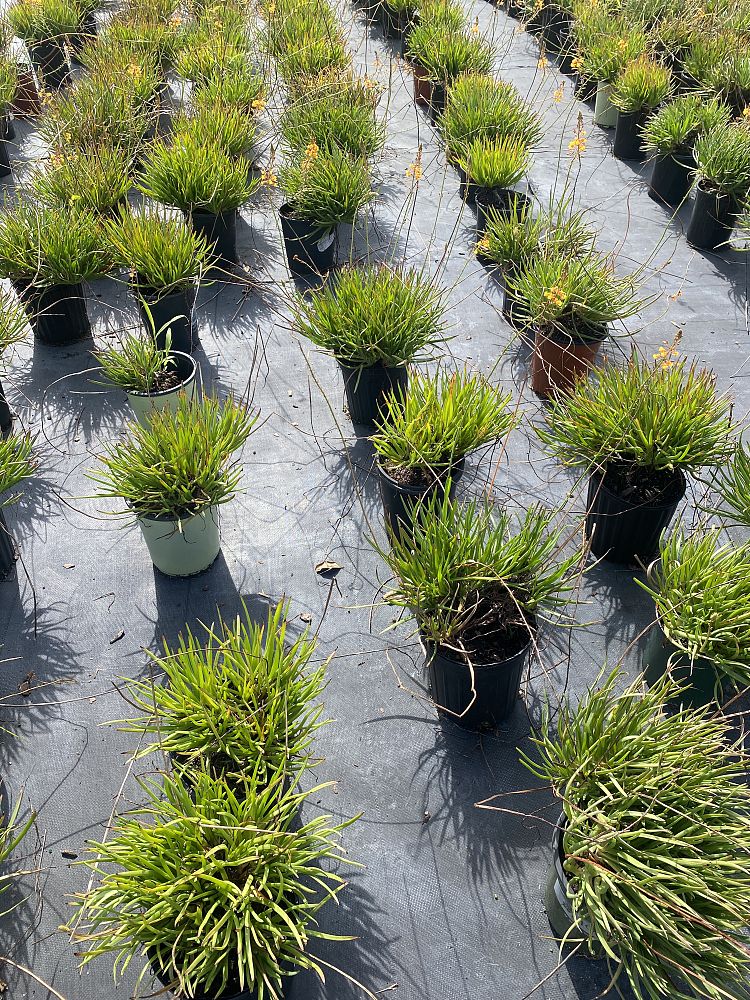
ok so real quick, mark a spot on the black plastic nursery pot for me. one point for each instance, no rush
(438, 94)
(7, 128)
(399, 499)
(7, 552)
(171, 312)
(699, 677)
(513, 307)
(479, 696)
(514, 9)
(310, 247)
(556, 25)
(628, 144)
(59, 314)
(623, 530)
(712, 220)
(556, 903)
(367, 389)
(80, 38)
(6, 417)
(220, 230)
(5, 168)
(51, 63)
(495, 200)
(232, 992)
(395, 23)
(672, 177)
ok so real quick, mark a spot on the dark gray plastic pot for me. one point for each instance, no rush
(367, 388)
(6, 418)
(700, 677)
(172, 311)
(496, 685)
(220, 231)
(51, 63)
(672, 177)
(7, 551)
(61, 317)
(399, 501)
(712, 220)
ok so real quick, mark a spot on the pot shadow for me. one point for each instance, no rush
(37, 504)
(590, 977)
(369, 958)
(371, 240)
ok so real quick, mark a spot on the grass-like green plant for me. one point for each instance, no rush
(495, 163)
(479, 107)
(239, 87)
(8, 81)
(335, 112)
(13, 323)
(12, 831)
(301, 64)
(217, 887)
(203, 56)
(719, 62)
(447, 13)
(678, 124)
(723, 159)
(37, 21)
(643, 84)
(181, 463)
(51, 245)
(97, 180)
(160, 251)
(656, 416)
(237, 698)
(463, 560)
(136, 364)
(16, 463)
(230, 129)
(701, 589)
(575, 297)
(371, 315)
(734, 484)
(144, 33)
(113, 64)
(609, 52)
(511, 239)
(326, 187)
(190, 175)
(656, 836)
(445, 54)
(94, 115)
(440, 419)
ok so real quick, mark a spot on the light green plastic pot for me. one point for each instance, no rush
(144, 404)
(605, 112)
(183, 548)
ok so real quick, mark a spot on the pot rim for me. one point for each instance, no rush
(602, 487)
(419, 491)
(176, 388)
(433, 649)
(565, 338)
(170, 519)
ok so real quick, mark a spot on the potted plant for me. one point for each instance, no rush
(722, 159)
(638, 430)
(335, 112)
(86, 28)
(231, 129)
(717, 62)
(25, 102)
(510, 241)
(474, 582)
(8, 87)
(165, 259)
(127, 72)
(481, 108)
(97, 180)
(493, 169)
(636, 92)
(241, 87)
(374, 321)
(239, 700)
(323, 188)
(174, 473)
(605, 57)
(221, 936)
(424, 435)
(206, 183)
(153, 378)
(44, 25)
(434, 14)
(650, 857)
(310, 53)
(701, 590)
(443, 54)
(397, 16)
(16, 464)
(13, 323)
(669, 137)
(48, 251)
(734, 485)
(571, 303)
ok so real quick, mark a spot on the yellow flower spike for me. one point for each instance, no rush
(577, 145)
(258, 104)
(558, 94)
(312, 150)
(475, 26)
(556, 295)
(542, 62)
(576, 62)
(268, 178)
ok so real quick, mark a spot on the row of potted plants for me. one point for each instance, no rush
(216, 881)
(637, 63)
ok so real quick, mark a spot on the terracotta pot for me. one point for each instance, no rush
(559, 360)
(422, 87)
(26, 101)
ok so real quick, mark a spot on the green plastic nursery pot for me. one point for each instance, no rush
(183, 548)
(7, 552)
(477, 697)
(622, 531)
(699, 676)
(605, 113)
(143, 404)
(367, 388)
(556, 902)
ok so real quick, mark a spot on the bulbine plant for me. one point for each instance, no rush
(97, 180)
(372, 315)
(335, 112)
(648, 416)
(218, 888)
(230, 129)
(16, 464)
(238, 700)
(237, 87)
(327, 187)
(181, 463)
(440, 419)
(723, 160)
(479, 107)
(138, 365)
(734, 485)
(444, 53)
(495, 163)
(678, 124)
(95, 115)
(160, 251)
(701, 589)
(656, 836)
(470, 573)
(643, 84)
